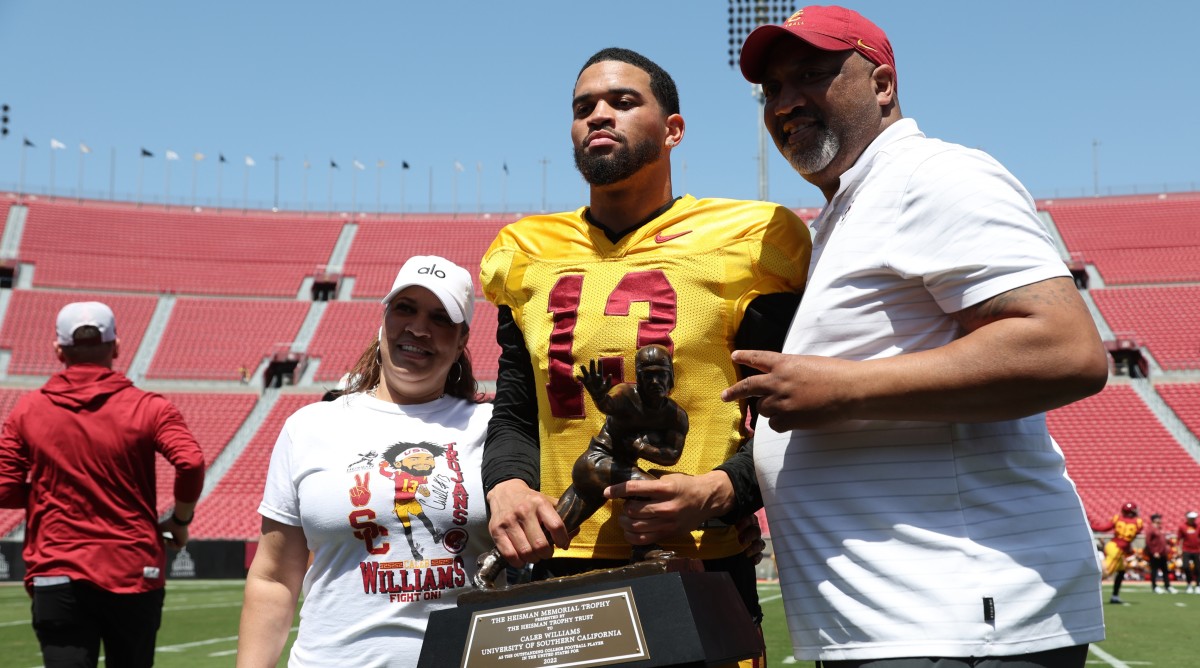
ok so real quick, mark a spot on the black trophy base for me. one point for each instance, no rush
(642, 615)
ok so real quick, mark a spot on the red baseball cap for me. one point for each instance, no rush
(829, 28)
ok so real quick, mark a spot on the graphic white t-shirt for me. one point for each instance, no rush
(896, 538)
(391, 502)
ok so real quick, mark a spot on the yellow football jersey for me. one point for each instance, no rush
(682, 280)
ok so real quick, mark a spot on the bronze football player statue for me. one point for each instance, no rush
(642, 422)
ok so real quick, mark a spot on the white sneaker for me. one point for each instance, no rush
(1172, 590)
(1191, 589)
(1159, 590)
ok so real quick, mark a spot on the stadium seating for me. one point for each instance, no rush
(1134, 239)
(381, 245)
(28, 329)
(213, 417)
(1118, 451)
(148, 249)
(1184, 400)
(5, 205)
(346, 329)
(231, 510)
(485, 352)
(9, 517)
(1165, 319)
(215, 338)
(238, 276)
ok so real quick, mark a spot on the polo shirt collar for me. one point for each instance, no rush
(901, 129)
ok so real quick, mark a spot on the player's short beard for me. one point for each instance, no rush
(603, 170)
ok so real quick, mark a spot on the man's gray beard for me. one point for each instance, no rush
(813, 160)
(603, 170)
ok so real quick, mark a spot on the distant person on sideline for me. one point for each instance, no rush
(1157, 556)
(79, 456)
(1189, 546)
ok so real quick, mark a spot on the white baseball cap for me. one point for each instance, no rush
(449, 282)
(82, 314)
(1191, 515)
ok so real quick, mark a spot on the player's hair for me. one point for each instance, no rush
(661, 83)
(394, 451)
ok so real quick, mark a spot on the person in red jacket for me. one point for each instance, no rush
(1156, 554)
(1189, 544)
(1125, 525)
(78, 455)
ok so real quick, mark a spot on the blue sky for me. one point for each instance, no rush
(488, 84)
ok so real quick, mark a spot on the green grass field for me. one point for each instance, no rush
(200, 622)
(199, 628)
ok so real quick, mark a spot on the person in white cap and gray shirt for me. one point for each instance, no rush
(383, 485)
(79, 456)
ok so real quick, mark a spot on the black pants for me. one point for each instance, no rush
(1067, 657)
(1158, 566)
(745, 580)
(1191, 567)
(72, 619)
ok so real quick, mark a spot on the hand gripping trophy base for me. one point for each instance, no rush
(642, 423)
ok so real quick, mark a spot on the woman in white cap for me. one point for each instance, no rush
(383, 485)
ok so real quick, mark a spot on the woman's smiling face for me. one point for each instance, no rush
(419, 343)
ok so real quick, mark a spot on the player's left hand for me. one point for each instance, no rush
(655, 510)
(750, 535)
(594, 380)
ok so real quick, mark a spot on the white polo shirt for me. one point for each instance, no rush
(892, 538)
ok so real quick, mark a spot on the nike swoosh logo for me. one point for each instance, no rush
(664, 239)
(864, 46)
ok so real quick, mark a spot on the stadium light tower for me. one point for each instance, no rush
(745, 16)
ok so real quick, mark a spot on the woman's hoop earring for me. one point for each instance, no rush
(457, 376)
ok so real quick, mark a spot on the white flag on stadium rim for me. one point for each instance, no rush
(249, 161)
(84, 148)
(56, 144)
(359, 165)
(458, 167)
(171, 155)
(197, 157)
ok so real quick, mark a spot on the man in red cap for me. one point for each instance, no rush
(921, 512)
(79, 456)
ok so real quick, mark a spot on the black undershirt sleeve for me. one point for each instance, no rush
(764, 327)
(511, 449)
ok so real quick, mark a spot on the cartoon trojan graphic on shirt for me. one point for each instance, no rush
(409, 466)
